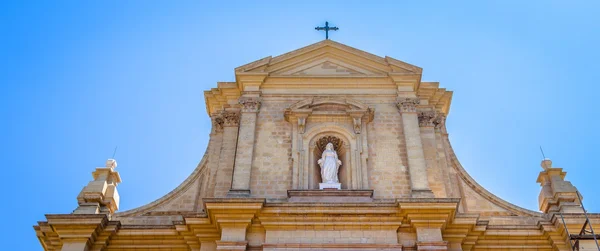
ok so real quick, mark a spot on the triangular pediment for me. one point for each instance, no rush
(328, 58)
(326, 67)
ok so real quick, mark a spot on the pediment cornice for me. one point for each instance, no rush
(328, 59)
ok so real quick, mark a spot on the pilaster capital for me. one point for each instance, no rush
(301, 124)
(408, 104)
(427, 118)
(357, 121)
(250, 104)
(230, 118)
(440, 122)
(218, 121)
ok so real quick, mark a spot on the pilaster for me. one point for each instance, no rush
(214, 151)
(208, 245)
(231, 121)
(414, 148)
(233, 216)
(429, 217)
(430, 152)
(245, 146)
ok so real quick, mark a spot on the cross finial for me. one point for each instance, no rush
(326, 28)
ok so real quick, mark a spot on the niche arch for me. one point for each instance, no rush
(317, 146)
(318, 117)
(350, 173)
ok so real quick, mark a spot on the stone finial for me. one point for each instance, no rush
(111, 163)
(100, 196)
(408, 104)
(546, 164)
(557, 195)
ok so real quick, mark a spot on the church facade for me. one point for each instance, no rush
(323, 148)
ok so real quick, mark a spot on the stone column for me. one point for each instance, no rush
(231, 121)
(245, 147)
(414, 148)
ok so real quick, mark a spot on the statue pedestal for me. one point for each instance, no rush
(337, 186)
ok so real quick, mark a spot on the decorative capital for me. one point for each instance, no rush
(250, 104)
(217, 120)
(440, 122)
(301, 124)
(408, 104)
(357, 121)
(427, 118)
(231, 118)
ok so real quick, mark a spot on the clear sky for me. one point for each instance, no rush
(79, 78)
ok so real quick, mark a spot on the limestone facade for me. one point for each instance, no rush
(256, 187)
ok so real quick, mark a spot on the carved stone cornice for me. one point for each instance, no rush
(356, 110)
(408, 104)
(250, 104)
(427, 118)
(231, 118)
(217, 120)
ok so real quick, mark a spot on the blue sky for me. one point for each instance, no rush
(79, 78)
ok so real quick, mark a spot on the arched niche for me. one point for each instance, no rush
(317, 146)
(349, 127)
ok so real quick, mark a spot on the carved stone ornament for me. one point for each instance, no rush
(322, 143)
(408, 104)
(231, 118)
(218, 121)
(427, 118)
(440, 122)
(250, 104)
(357, 121)
(301, 124)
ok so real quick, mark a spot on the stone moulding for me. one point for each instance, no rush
(186, 184)
(516, 210)
(342, 193)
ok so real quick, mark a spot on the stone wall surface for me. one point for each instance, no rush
(271, 171)
(387, 165)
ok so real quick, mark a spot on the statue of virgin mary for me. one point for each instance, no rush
(329, 164)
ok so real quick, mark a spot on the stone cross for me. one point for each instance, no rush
(326, 28)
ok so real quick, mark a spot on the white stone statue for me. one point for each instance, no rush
(330, 165)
